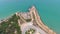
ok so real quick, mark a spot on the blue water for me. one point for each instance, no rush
(49, 10)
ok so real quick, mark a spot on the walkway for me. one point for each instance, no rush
(27, 26)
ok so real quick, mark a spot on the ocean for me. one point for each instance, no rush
(49, 10)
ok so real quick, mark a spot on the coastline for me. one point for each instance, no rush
(40, 23)
(38, 20)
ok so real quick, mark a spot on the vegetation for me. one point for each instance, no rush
(28, 20)
(31, 31)
(10, 26)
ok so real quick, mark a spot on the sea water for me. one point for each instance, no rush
(49, 10)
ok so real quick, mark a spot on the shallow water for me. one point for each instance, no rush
(49, 10)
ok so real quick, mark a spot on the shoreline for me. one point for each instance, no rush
(40, 23)
(37, 18)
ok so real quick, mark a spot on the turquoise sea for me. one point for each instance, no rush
(49, 10)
